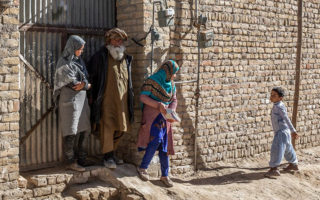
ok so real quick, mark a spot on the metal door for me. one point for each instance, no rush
(45, 27)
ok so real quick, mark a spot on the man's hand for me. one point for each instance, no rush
(79, 86)
(294, 135)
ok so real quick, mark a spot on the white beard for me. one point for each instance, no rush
(117, 53)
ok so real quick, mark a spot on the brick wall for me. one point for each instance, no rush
(254, 50)
(130, 17)
(9, 98)
(308, 115)
(135, 17)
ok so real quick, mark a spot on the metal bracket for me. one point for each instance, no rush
(201, 21)
(155, 36)
(31, 68)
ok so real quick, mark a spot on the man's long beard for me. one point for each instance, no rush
(117, 53)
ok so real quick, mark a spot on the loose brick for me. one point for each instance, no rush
(42, 191)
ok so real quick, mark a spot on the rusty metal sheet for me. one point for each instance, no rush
(45, 25)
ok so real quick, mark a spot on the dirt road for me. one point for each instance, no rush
(245, 180)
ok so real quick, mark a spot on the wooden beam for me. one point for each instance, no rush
(62, 29)
(298, 69)
(25, 137)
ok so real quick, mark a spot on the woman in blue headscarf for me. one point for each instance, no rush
(70, 85)
(157, 95)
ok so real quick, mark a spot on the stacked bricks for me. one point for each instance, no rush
(44, 185)
(309, 102)
(49, 184)
(254, 50)
(9, 101)
(131, 16)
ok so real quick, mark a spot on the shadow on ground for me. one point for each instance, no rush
(235, 177)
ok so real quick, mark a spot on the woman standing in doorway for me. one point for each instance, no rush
(70, 85)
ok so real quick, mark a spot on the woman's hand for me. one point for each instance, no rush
(294, 135)
(171, 120)
(79, 86)
(162, 108)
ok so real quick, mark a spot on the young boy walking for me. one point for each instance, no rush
(283, 131)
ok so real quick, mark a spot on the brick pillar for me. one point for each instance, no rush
(9, 98)
(130, 17)
(135, 17)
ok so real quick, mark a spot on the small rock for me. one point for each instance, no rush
(94, 193)
(61, 178)
(22, 182)
(132, 197)
(113, 192)
(58, 188)
(83, 195)
(104, 192)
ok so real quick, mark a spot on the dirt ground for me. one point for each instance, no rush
(245, 179)
(239, 180)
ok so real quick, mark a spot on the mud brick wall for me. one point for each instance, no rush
(130, 17)
(309, 105)
(254, 50)
(135, 17)
(9, 98)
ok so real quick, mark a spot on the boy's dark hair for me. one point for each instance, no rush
(279, 90)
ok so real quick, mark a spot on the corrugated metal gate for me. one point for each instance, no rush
(45, 27)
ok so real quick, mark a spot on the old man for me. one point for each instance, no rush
(112, 94)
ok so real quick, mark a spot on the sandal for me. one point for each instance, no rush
(143, 174)
(272, 173)
(291, 167)
(167, 181)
